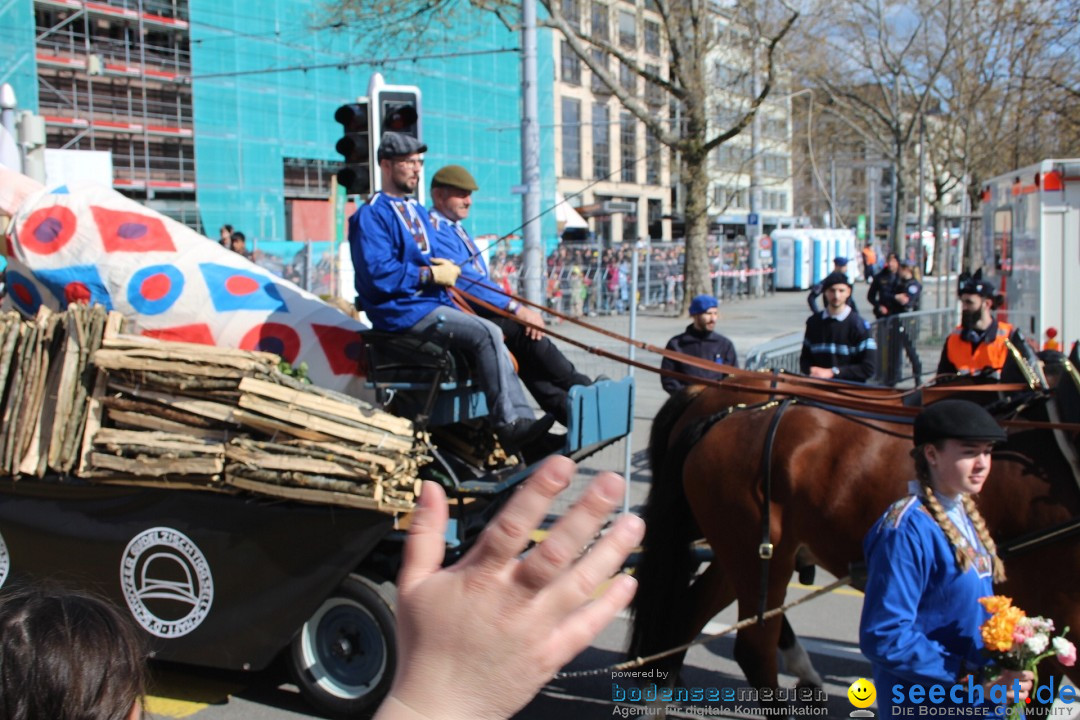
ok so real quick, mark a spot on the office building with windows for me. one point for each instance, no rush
(609, 166)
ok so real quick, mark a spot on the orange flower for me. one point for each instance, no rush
(997, 632)
(995, 603)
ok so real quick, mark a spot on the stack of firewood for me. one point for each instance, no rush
(146, 412)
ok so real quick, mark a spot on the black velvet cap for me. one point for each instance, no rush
(835, 278)
(958, 420)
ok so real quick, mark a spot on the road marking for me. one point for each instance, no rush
(177, 694)
(169, 707)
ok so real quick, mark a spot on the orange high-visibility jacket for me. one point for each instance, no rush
(986, 354)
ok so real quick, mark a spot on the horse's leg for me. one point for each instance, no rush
(796, 660)
(756, 645)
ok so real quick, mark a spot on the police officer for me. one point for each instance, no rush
(978, 344)
(401, 283)
(700, 341)
(546, 372)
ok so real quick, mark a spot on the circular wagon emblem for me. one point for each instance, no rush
(166, 582)
(5, 561)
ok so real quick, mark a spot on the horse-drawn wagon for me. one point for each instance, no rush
(236, 510)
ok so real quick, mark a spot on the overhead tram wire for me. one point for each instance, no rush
(344, 63)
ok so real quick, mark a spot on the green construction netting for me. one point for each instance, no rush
(246, 121)
(17, 65)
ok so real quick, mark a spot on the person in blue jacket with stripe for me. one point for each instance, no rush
(546, 372)
(929, 560)
(401, 285)
(837, 343)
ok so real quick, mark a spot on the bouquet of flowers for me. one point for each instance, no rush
(1017, 642)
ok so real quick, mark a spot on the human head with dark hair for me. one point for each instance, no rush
(225, 234)
(893, 263)
(238, 243)
(67, 655)
(977, 301)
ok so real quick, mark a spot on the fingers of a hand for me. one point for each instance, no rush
(571, 533)
(578, 630)
(508, 533)
(596, 567)
(426, 543)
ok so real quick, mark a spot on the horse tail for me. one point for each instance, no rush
(660, 433)
(666, 565)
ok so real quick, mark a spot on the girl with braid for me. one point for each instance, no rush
(929, 560)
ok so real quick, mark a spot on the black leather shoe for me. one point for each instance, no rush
(546, 444)
(516, 435)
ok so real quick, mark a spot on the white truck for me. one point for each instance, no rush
(1031, 228)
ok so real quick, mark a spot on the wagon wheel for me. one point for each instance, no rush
(344, 656)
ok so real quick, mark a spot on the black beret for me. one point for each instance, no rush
(958, 420)
(835, 278)
(395, 144)
(975, 285)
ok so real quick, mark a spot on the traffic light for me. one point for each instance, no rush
(355, 145)
(394, 108)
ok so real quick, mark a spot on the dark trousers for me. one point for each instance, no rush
(542, 367)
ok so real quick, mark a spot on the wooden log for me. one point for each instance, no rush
(153, 409)
(158, 440)
(292, 463)
(204, 408)
(272, 427)
(96, 325)
(65, 391)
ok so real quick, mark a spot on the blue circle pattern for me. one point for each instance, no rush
(146, 306)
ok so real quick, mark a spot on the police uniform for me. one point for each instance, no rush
(972, 350)
(546, 372)
(392, 242)
(921, 617)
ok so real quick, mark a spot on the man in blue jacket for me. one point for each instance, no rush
(700, 341)
(541, 366)
(401, 285)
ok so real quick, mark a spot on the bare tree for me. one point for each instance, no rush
(696, 33)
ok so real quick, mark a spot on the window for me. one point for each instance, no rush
(652, 159)
(652, 37)
(627, 78)
(629, 222)
(601, 29)
(571, 65)
(600, 58)
(628, 147)
(654, 94)
(656, 218)
(601, 142)
(1003, 240)
(572, 12)
(571, 138)
(627, 29)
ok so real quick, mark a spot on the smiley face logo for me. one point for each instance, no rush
(862, 693)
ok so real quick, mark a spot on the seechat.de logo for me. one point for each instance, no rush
(861, 694)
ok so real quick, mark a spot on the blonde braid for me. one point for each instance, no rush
(984, 536)
(952, 533)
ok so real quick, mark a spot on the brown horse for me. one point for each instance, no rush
(832, 476)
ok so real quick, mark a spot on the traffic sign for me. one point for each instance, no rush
(752, 219)
(860, 227)
(765, 242)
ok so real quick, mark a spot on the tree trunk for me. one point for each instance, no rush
(696, 268)
(899, 209)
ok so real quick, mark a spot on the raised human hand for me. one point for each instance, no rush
(480, 638)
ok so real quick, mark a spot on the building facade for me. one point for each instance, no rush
(607, 164)
(218, 111)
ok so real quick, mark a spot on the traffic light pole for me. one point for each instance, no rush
(533, 258)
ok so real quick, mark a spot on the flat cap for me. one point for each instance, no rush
(454, 176)
(702, 303)
(835, 278)
(958, 420)
(395, 144)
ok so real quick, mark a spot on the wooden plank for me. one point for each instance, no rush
(135, 420)
(310, 401)
(307, 420)
(153, 409)
(272, 461)
(157, 439)
(122, 360)
(203, 408)
(321, 497)
(272, 427)
(139, 346)
(162, 482)
(65, 390)
(88, 393)
(145, 466)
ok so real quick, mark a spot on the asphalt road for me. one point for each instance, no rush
(828, 626)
